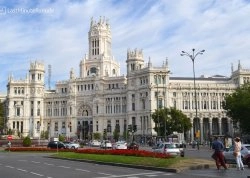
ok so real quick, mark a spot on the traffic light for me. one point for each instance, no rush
(104, 131)
(134, 128)
(130, 128)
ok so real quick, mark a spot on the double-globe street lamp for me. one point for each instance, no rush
(192, 56)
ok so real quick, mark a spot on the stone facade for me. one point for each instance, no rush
(100, 98)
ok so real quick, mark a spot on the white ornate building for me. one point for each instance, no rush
(100, 98)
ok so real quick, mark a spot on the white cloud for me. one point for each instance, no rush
(161, 28)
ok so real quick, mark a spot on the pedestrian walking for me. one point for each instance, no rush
(210, 143)
(218, 148)
(237, 153)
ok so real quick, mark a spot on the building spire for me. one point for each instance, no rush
(239, 65)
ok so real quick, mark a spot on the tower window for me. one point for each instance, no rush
(33, 77)
(93, 70)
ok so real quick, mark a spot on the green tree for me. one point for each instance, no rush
(126, 135)
(44, 134)
(96, 136)
(104, 135)
(171, 119)
(237, 106)
(27, 141)
(116, 134)
(61, 138)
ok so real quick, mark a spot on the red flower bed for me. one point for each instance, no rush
(140, 153)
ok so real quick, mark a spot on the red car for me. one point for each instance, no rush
(133, 146)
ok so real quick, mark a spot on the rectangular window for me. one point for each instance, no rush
(97, 127)
(18, 111)
(63, 125)
(38, 125)
(32, 112)
(133, 121)
(109, 126)
(33, 76)
(56, 126)
(38, 112)
(133, 106)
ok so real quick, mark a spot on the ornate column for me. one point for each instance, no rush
(192, 130)
(210, 125)
(201, 131)
(219, 123)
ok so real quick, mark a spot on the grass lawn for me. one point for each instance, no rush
(145, 161)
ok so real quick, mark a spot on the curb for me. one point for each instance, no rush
(173, 170)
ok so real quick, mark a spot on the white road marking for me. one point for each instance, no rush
(169, 174)
(64, 167)
(35, 162)
(23, 170)
(49, 164)
(22, 160)
(37, 174)
(9, 167)
(153, 175)
(83, 170)
(105, 174)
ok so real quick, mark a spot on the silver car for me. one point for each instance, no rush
(168, 148)
(245, 152)
(73, 145)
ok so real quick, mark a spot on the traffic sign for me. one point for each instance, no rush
(9, 137)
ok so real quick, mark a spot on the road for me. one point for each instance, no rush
(32, 165)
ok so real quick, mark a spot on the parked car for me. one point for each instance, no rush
(181, 147)
(56, 144)
(168, 148)
(95, 143)
(120, 145)
(66, 143)
(133, 146)
(84, 142)
(106, 144)
(245, 154)
(73, 145)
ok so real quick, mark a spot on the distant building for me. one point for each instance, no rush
(100, 98)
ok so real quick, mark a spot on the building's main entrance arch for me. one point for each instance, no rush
(84, 122)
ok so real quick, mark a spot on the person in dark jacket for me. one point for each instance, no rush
(218, 148)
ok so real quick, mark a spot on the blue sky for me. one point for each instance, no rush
(56, 33)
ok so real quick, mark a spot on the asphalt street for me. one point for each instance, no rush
(32, 165)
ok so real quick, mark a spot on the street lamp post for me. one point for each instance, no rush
(192, 57)
(165, 130)
(158, 119)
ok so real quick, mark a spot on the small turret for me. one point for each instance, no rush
(36, 72)
(134, 60)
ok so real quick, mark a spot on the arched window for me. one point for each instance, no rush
(92, 70)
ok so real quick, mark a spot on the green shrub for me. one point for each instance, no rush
(61, 138)
(27, 141)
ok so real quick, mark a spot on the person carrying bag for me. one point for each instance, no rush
(218, 148)
(237, 153)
